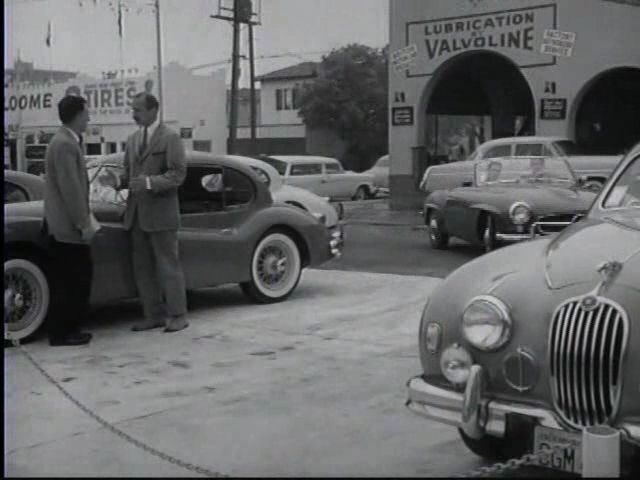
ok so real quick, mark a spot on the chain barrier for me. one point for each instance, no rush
(512, 464)
(125, 436)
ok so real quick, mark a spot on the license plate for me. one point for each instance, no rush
(569, 459)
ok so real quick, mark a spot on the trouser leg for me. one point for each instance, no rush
(71, 273)
(145, 274)
(169, 271)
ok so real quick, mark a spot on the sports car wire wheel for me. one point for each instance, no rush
(26, 297)
(272, 265)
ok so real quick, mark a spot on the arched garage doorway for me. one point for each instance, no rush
(607, 119)
(474, 97)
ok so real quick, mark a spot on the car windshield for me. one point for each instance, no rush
(102, 194)
(626, 191)
(523, 170)
(279, 165)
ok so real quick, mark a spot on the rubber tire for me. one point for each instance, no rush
(251, 288)
(30, 264)
(361, 194)
(439, 240)
(493, 448)
(489, 244)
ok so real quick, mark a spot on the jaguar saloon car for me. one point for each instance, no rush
(507, 200)
(529, 346)
(231, 232)
(22, 187)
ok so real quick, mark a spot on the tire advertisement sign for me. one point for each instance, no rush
(516, 33)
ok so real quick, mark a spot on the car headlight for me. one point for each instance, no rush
(455, 364)
(520, 213)
(486, 323)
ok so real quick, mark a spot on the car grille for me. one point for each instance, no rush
(587, 340)
(551, 228)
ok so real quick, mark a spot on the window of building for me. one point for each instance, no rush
(202, 145)
(94, 149)
(123, 145)
(112, 147)
(285, 99)
(30, 138)
(306, 169)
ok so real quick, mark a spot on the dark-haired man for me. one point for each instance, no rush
(154, 168)
(70, 225)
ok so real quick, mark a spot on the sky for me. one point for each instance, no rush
(85, 32)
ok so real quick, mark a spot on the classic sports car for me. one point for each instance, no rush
(531, 344)
(323, 176)
(507, 199)
(231, 232)
(22, 187)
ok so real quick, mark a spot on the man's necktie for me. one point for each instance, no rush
(143, 146)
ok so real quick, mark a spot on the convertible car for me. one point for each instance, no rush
(506, 201)
(529, 345)
(231, 232)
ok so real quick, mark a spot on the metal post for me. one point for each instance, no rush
(233, 108)
(600, 452)
(252, 74)
(159, 51)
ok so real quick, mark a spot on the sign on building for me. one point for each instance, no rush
(401, 116)
(553, 108)
(558, 43)
(402, 58)
(516, 33)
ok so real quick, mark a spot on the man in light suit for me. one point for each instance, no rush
(154, 168)
(68, 221)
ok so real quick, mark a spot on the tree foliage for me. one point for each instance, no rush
(349, 97)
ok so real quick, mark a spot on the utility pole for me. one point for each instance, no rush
(252, 80)
(233, 110)
(159, 52)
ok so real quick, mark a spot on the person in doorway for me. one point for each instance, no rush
(154, 168)
(69, 224)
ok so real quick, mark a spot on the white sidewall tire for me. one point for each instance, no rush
(294, 267)
(32, 270)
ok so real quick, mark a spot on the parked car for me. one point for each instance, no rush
(505, 200)
(231, 232)
(298, 197)
(380, 172)
(22, 187)
(594, 170)
(323, 176)
(533, 343)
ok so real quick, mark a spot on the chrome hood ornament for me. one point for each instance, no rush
(608, 271)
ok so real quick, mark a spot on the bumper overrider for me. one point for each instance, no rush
(478, 416)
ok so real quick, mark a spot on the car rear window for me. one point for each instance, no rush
(332, 168)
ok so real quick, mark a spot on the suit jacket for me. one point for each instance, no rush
(164, 162)
(66, 197)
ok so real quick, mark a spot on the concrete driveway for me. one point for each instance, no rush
(314, 386)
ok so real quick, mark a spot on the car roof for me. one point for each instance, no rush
(304, 159)
(505, 140)
(17, 175)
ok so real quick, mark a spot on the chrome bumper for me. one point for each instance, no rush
(478, 416)
(535, 230)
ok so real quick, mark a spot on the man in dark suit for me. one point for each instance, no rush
(154, 168)
(69, 224)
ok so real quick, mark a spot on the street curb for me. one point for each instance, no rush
(416, 226)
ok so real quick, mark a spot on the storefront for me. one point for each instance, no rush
(193, 105)
(466, 71)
